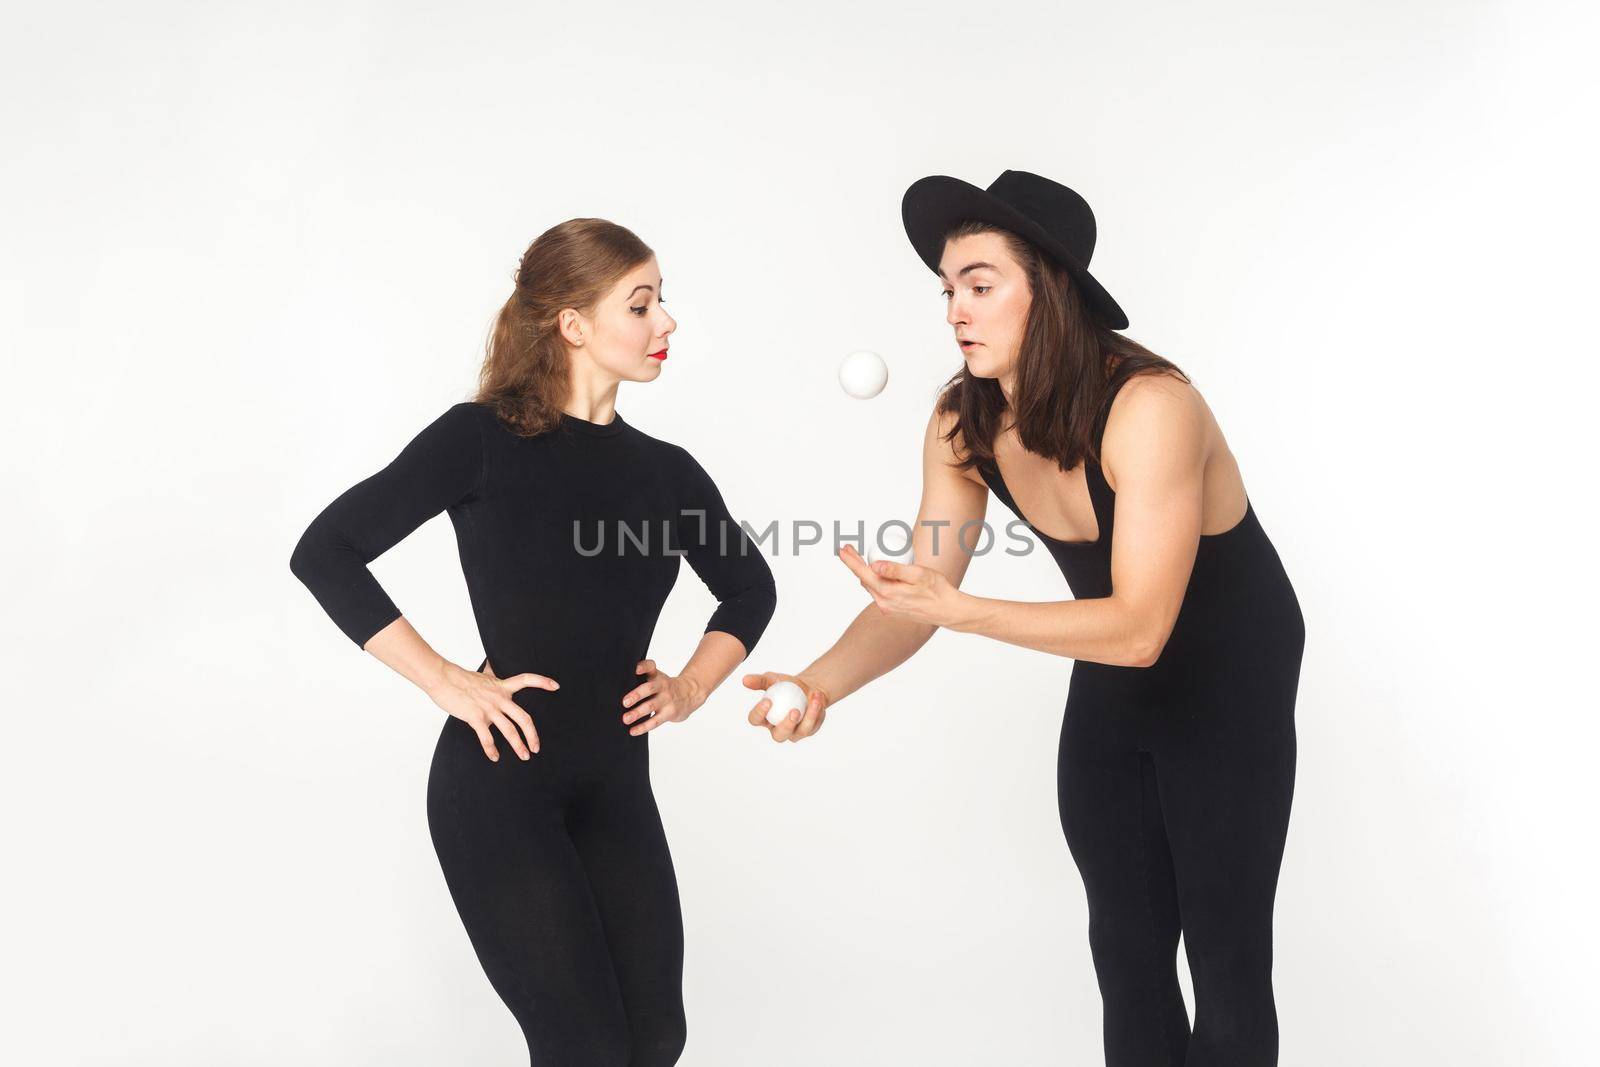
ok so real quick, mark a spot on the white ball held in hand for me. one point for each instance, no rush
(874, 554)
(863, 374)
(785, 697)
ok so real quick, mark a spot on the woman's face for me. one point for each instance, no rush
(986, 302)
(626, 335)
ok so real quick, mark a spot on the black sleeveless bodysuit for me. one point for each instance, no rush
(1174, 784)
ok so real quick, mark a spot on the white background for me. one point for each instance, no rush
(250, 250)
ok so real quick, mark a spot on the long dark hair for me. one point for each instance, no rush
(1068, 366)
(525, 378)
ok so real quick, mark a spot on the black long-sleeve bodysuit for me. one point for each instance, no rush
(1175, 783)
(570, 542)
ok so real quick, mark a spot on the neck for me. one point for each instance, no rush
(593, 396)
(1008, 385)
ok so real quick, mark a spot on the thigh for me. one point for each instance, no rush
(523, 895)
(1226, 791)
(1111, 814)
(1110, 811)
(618, 832)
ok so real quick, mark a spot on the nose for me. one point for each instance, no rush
(665, 323)
(955, 313)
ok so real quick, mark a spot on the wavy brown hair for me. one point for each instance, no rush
(1069, 363)
(525, 378)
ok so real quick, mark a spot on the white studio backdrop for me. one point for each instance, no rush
(250, 250)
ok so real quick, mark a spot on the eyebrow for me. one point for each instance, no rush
(972, 267)
(638, 287)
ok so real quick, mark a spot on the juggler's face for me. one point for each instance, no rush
(986, 302)
(626, 335)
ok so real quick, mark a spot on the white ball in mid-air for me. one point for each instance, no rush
(785, 697)
(863, 374)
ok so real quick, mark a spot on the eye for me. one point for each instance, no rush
(981, 288)
(946, 294)
(638, 311)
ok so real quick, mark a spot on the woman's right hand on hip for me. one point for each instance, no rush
(480, 700)
(795, 725)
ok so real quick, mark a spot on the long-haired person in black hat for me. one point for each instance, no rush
(1176, 763)
(571, 525)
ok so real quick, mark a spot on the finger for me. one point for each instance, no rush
(645, 665)
(638, 694)
(890, 570)
(763, 680)
(853, 560)
(813, 718)
(784, 729)
(643, 710)
(883, 569)
(525, 721)
(502, 722)
(509, 729)
(758, 714)
(536, 681)
(648, 725)
(871, 582)
(487, 741)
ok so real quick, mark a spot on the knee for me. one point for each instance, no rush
(659, 1044)
(1236, 1020)
(1129, 956)
(1234, 976)
(608, 1049)
(1235, 1040)
(596, 1043)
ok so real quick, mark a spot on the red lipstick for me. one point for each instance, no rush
(661, 355)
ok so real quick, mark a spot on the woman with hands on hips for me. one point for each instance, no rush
(570, 523)
(1176, 762)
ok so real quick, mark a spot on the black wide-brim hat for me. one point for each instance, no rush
(1047, 213)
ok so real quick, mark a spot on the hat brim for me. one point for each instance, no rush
(932, 205)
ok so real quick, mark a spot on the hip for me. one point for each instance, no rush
(578, 752)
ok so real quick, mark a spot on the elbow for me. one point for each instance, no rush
(306, 561)
(762, 607)
(1144, 629)
(763, 604)
(1146, 648)
(746, 615)
(767, 599)
(300, 559)
(1143, 655)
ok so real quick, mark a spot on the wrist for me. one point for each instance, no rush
(698, 691)
(817, 684)
(434, 677)
(966, 611)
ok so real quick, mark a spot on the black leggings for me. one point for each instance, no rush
(560, 871)
(1174, 782)
(1176, 811)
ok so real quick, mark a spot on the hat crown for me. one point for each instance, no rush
(1054, 218)
(1057, 209)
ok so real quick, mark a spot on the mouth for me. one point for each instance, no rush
(967, 346)
(661, 355)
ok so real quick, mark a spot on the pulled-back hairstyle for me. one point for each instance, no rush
(525, 378)
(1068, 365)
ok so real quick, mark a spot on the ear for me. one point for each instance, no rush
(574, 328)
